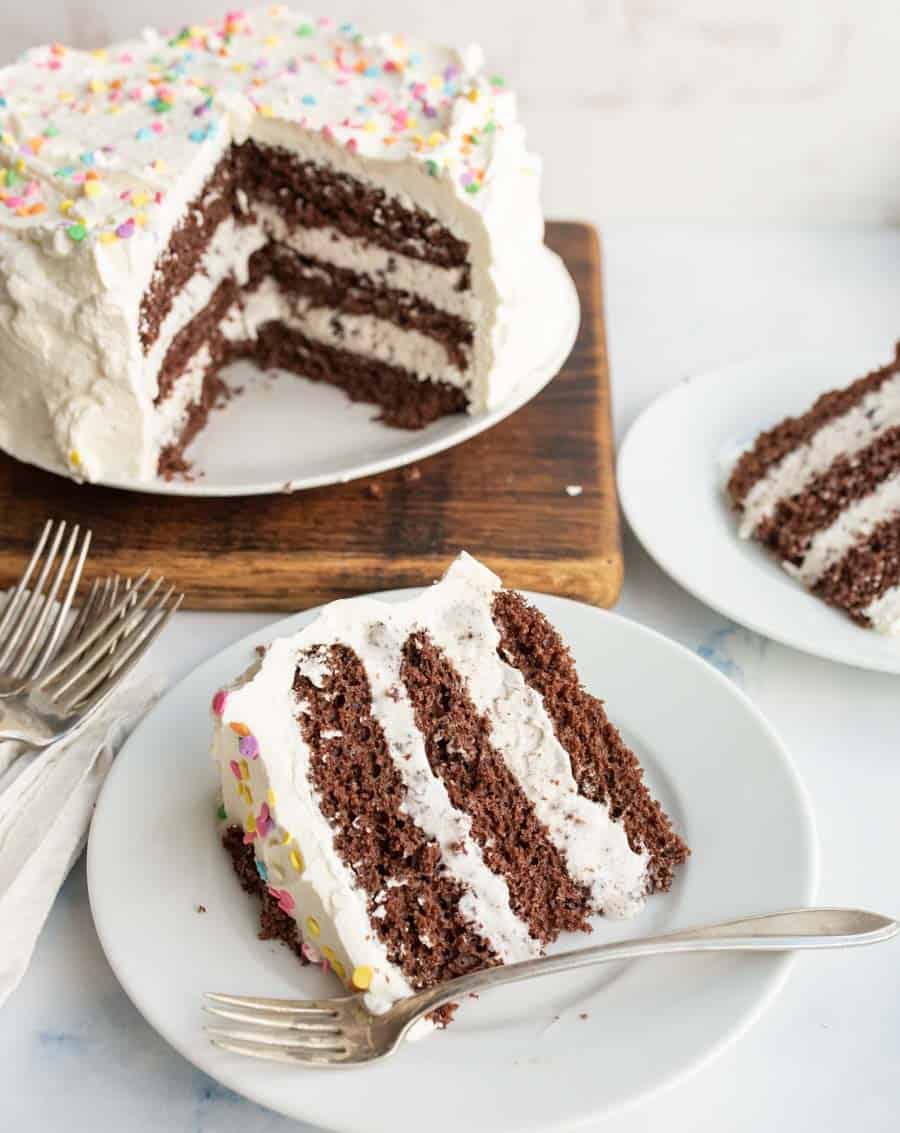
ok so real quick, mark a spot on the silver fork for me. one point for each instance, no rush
(343, 1032)
(30, 632)
(83, 675)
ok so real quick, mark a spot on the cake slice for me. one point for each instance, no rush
(822, 493)
(418, 789)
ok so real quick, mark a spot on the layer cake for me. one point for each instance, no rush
(361, 210)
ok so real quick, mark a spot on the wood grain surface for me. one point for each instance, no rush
(501, 496)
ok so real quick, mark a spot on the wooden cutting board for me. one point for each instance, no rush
(501, 496)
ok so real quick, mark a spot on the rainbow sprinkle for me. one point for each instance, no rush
(396, 102)
(249, 747)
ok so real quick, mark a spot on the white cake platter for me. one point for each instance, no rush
(672, 471)
(541, 1056)
(285, 434)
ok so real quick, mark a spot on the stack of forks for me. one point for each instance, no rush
(53, 680)
(65, 706)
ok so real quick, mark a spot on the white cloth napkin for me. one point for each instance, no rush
(46, 803)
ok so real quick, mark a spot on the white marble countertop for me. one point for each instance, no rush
(74, 1053)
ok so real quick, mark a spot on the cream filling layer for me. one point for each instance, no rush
(366, 335)
(852, 431)
(855, 523)
(884, 612)
(172, 412)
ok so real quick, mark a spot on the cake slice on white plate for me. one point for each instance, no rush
(822, 492)
(421, 788)
(359, 209)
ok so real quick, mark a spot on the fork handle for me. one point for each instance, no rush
(771, 932)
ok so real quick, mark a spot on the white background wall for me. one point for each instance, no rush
(761, 110)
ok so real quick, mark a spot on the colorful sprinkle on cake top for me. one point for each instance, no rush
(91, 142)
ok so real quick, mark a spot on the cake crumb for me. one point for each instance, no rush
(201, 908)
(574, 489)
(583, 1015)
(375, 490)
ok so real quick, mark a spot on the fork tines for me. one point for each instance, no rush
(88, 669)
(29, 629)
(310, 1032)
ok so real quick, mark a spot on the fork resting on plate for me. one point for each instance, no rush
(343, 1032)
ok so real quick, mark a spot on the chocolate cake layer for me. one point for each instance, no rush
(313, 196)
(406, 402)
(850, 478)
(189, 240)
(352, 293)
(414, 901)
(514, 842)
(772, 446)
(865, 573)
(605, 769)
(274, 924)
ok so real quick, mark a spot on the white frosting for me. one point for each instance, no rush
(186, 391)
(151, 118)
(884, 612)
(852, 431)
(456, 614)
(855, 523)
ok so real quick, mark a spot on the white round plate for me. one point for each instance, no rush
(286, 434)
(545, 1055)
(673, 467)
